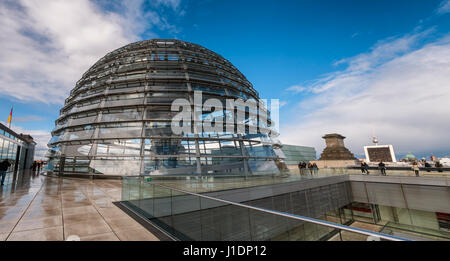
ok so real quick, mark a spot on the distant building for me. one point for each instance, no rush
(445, 161)
(335, 149)
(410, 157)
(17, 148)
(335, 154)
(295, 154)
(378, 153)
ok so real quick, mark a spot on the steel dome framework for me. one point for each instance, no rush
(117, 119)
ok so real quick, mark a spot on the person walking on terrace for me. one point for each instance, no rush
(300, 168)
(427, 166)
(382, 167)
(4, 165)
(364, 168)
(316, 169)
(415, 167)
(310, 167)
(438, 166)
(304, 166)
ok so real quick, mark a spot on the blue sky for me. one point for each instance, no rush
(336, 66)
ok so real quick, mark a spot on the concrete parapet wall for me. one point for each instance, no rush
(418, 193)
(376, 171)
(406, 180)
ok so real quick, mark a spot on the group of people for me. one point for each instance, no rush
(5, 164)
(312, 167)
(415, 167)
(365, 168)
(437, 165)
(36, 166)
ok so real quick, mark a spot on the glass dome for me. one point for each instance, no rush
(410, 157)
(117, 119)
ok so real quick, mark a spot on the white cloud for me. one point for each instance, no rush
(360, 67)
(283, 103)
(48, 44)
(398, 90)
(296, 89)
(444, 7)
(174, 4)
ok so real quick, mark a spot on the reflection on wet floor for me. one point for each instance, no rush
(36, 207)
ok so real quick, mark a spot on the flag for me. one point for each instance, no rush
(10, 115)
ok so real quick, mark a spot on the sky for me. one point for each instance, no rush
(358, 68)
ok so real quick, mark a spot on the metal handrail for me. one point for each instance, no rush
(297, 217)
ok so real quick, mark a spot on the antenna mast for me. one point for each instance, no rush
(374, 138)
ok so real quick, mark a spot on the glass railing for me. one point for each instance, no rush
(210, 183)
(404, 170)
(185, 215)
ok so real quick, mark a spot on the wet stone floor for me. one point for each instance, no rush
(39, 208)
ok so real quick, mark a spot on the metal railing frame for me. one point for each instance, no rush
(296, 217)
